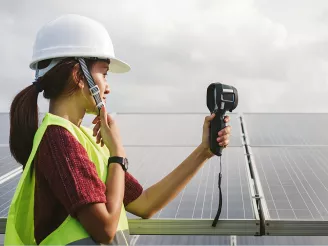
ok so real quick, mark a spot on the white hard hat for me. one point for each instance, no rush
(75, 36)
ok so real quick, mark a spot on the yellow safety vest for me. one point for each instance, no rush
(20, 221)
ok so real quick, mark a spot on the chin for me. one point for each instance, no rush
(94, 111)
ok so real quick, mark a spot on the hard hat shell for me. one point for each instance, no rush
(75, 36)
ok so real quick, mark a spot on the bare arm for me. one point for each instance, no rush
(100, 220)
(160, 194)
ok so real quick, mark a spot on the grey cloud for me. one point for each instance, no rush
(177, 48)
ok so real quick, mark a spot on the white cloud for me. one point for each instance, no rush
(273, 52)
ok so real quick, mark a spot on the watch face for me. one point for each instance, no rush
(126, 163)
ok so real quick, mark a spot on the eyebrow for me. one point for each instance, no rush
(106, 67)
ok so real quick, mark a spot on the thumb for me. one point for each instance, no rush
(208, 119)
(103, 115)
(110, 119)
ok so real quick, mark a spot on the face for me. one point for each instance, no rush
(99, 73)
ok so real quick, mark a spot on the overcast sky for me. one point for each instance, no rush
(274, 52)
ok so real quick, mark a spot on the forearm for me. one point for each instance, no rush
(115, 184)
(169, 187)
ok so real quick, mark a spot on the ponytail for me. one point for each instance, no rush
(23, 123)
(24, 115)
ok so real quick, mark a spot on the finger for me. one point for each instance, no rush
(225, 131)
(96, 129)
(207, 120)
(222, 138)
(102, 143)
(95, 120)
(226, 118)
(210, 117)
(98, 138)
(224, 143)
(103, 116)
(110, 119)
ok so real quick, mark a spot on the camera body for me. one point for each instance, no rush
(220, 99)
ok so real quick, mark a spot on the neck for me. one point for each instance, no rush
(68, 109)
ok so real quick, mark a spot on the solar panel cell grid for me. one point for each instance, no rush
(7, 190)
(7, 162)
(4, 132)
(200, 198)
(294, 181)
(169, 129)
(286, 129)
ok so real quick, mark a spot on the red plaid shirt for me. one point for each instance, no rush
(66, 180)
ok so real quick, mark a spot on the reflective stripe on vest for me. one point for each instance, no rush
(20, 221)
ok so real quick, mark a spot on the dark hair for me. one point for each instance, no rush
(24, 115)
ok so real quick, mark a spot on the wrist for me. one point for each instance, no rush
(122, 161)
(205, 151)
(118, 152)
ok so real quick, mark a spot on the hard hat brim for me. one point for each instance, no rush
(118, 66)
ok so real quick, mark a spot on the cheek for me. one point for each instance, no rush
(101, 82)
(86, 91)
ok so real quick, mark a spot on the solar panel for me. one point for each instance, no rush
(286, 129)
(289, 156)
(294, 181)
(7, 162)
(155, 145)
(7, 190)
(182, 240)
(4, 133)
(226, 240)
(169, 129)
(199, 199)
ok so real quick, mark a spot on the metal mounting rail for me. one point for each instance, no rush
(259, 196)
(183, 227)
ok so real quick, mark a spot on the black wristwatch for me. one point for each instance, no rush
(120, 160)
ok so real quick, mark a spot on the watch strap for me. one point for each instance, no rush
(118, 159)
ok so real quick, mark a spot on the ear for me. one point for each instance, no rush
(81, 84)
(78, 76)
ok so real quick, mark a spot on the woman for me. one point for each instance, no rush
(75, 188)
